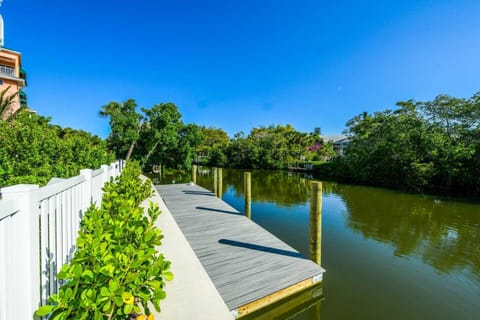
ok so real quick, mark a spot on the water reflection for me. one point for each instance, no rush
(443, 233)
(267, 186)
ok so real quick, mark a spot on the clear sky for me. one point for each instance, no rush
(244, 63)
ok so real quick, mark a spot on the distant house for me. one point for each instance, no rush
(340, 142)
(12, 76)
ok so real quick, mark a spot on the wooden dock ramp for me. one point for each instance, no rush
(249, 266)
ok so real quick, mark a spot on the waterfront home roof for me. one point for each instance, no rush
(334, 137)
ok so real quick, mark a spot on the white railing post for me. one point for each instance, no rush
(113, 169)
(22, 267)
(105, 174)
(88, 194)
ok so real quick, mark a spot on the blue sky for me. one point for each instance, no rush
(240, 64)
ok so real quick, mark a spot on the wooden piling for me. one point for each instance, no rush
(220, 183)
(194, 173)
(316, 222)
(248, 194)
(215, 179)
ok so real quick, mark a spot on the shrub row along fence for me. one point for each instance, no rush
(38, 230)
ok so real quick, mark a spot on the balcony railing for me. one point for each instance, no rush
(8, 71)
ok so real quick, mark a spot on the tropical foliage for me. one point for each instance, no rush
(33, 150)
(159, 136)
(213, 147)
(6, 102)
(155, 136)
(433, 145)
(275, 147)
(418, 146)
(116, 270)
(125, 124)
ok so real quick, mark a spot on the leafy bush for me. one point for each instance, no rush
(33, 150)
(116, 270)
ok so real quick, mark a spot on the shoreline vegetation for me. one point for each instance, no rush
(425, 147)
(33, 150)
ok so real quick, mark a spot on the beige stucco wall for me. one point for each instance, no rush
(11, 59)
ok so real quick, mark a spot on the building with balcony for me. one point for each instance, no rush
(12, 77)
(340, 143)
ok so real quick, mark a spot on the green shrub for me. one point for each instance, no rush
(33, 150)
(116, 269)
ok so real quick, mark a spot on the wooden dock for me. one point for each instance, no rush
(249, 266)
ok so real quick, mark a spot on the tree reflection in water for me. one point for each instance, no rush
(442, 232)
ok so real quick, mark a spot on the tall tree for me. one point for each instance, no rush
(214, 145)
(190, 137)
(161, 134)
(125, 125)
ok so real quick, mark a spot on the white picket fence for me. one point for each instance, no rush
(38, 230)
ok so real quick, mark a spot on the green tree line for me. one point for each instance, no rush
(276, 147)
(157, 135)
(34, 150)
(420, 146)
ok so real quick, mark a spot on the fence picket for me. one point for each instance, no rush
(44, 259)
(59, 224)
(52, 244)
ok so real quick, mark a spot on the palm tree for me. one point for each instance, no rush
(6, 102)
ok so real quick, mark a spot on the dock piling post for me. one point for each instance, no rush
(194, 173)
(248, 194)
(215, 180)
(220, 183)
(316, 222)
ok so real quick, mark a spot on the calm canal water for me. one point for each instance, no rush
(388, 254)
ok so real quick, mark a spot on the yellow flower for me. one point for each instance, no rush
(150, 317)
(128, 298)
(141, 317)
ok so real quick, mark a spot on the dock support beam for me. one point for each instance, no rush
(220, 183)
(194, 173)
(316, 222)
(248, 194)
(215, 180)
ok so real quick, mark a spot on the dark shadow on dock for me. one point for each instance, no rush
(201, 193)
(261, 248)
(218, 210)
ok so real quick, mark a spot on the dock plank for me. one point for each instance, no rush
(244, 261)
